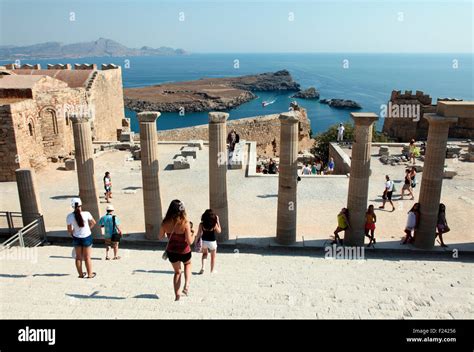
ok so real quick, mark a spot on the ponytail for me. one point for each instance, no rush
(78, 216)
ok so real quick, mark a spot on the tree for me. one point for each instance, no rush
(322, 140)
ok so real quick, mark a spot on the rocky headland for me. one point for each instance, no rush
(310, 93)
(207, 94)
(341, 103)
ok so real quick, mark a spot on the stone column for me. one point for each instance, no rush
(432, 179)
(150, 171)
(84, 155)
(359, 177)
(287, 178)
(218, 170)
(28, 193)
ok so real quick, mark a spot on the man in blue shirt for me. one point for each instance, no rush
(112, 235)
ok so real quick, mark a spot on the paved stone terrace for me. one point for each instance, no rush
(252, 200)
(247, 285)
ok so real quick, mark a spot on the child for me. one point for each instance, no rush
(412, 223)
(442, 224)
(108, 186)
(342, 225)
(370, 220)
(208, 228)
(112, 234)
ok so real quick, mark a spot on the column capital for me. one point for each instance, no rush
(289, 117)
(80, 118)
(455, 108)
(435, 119)
(364, 118)
(218, 117)
(148, 116)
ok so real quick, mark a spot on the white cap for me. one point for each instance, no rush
(74, 201)
(110, 207)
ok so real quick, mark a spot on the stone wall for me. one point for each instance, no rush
(262, 129)
(107, 99)
(21, 142)
(55, 107)
(404, 129)
(342, 162)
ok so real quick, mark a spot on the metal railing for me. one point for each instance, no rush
(11, 221)
(32, 235)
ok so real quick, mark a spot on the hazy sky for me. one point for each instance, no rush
(246, 26)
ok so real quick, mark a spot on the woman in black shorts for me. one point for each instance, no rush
(180, 237)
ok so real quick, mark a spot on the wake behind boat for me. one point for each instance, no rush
(266, 102)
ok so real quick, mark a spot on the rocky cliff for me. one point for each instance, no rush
(206, 94)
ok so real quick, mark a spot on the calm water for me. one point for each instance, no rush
(369, 79)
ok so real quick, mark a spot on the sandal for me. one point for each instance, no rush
(116, 258)
(107, 258)
(185, 291)
(82, 276)
(91, 277)
(201, 272)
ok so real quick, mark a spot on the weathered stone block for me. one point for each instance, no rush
(189, 151)
(127, 136)
(181, 162)
(196, 143)
(449, 173)
(384, 150)
(70, 164)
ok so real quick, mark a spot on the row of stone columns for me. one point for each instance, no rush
(357, 198)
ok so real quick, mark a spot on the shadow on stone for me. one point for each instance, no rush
(51, 275)
(267, 196)
(63, 197)
(94, 295)
(147, 296)
(153, 271)
(13, 276)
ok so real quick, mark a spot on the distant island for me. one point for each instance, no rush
(208, 93)
(101, 47)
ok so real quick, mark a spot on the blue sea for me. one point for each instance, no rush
(365, 78)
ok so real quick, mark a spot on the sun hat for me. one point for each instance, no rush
(75, 201)
(110, 207)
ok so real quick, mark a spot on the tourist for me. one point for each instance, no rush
(177, 228)
(272, 168)
(112, 233)
(407, 185)
(314, 171)
(108, 186)
(79, 224)
(412, 223)
(370, 220)
(387, 193)
(442, 224)
(306, 170)
(319, 166)
(413, 177)
(340, 133)
(412, 151)
(331, 166)
(232, 139)
(342, 225)
(208, 228)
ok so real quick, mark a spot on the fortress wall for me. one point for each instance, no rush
(262, 129)
(107, 99)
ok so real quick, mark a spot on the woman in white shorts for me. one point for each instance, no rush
(208, 228)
